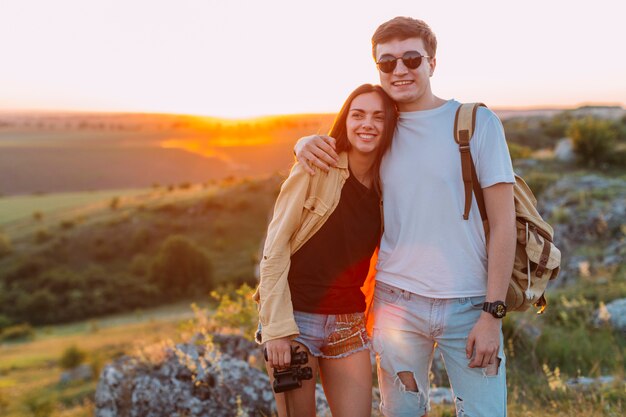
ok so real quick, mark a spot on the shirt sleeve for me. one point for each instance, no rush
(273, 295)
(490, 151)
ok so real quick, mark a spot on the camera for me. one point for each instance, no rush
(291, 377)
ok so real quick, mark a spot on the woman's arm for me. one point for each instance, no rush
(273, 295)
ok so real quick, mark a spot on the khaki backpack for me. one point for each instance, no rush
(537, 260)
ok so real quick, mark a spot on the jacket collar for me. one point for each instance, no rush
(343, 160)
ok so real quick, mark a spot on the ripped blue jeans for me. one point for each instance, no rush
(406, 329)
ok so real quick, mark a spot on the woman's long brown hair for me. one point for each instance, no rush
(339, 132)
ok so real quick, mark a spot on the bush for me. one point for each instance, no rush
(39, 405)
(580, 350)
(67, 224)
(237, 310)
(114, 204)
(5, 245)
(4, 322)
(181, 267)
(59, 294)
(18, 332)
(72, 357)
(42, 235)
(593, 140)
(41, 302)
(539, 181)
(140, 239)
(140, 265)
(24, 268)
(523, 132)
(519, 151)
(557, 126)
(4, 403)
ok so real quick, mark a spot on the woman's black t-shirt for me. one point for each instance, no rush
(327, 272)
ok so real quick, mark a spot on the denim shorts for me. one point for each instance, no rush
(331, 336)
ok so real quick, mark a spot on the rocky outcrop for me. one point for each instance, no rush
(191, 379)
(587, 211)
(200, 378)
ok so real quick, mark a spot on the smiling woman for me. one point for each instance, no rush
(316, 258)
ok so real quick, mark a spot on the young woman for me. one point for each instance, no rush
(316, 257)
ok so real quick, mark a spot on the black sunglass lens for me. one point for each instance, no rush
(412, 59)
(386, 63)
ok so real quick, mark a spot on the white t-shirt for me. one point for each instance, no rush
(427, 248)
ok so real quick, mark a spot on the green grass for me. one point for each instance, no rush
(22, 207)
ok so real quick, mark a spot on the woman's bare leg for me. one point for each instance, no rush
(301, 399)
(347, 383)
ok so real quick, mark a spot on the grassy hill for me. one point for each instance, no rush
(108, 255)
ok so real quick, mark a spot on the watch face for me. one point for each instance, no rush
(499, 310)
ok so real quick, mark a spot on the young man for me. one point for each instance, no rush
(437, 280)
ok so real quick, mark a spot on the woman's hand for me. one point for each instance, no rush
(278, 352)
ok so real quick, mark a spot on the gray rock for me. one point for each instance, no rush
(613, 314)
(193, 379)
(564, 150)
(82, 372)
(584, 211)
(583, 382)
(440, 395)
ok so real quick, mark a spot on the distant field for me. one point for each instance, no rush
(13, 208)
(65, 153)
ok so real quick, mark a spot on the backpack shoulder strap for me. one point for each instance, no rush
(464, 124)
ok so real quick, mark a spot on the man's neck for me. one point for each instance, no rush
(426, 102)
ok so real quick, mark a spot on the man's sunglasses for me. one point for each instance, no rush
(410, 59)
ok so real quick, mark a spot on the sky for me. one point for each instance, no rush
(247, 58)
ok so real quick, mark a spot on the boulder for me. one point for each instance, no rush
(200, 378)
(81, 373)
(612, 314)
(584, 382)
(564, 150)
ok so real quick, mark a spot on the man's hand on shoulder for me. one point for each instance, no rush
(317, 150)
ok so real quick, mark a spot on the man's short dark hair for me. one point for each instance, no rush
(401, 28)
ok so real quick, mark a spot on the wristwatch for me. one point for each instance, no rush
(496, 309)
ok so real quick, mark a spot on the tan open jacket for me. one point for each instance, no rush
(304, 204)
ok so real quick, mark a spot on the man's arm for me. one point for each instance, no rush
(484, 339)
(316, 150)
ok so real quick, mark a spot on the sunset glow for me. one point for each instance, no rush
(249, 58)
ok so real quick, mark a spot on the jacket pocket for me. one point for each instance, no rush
(313, 211)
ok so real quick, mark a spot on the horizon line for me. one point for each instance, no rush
(34, 110)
